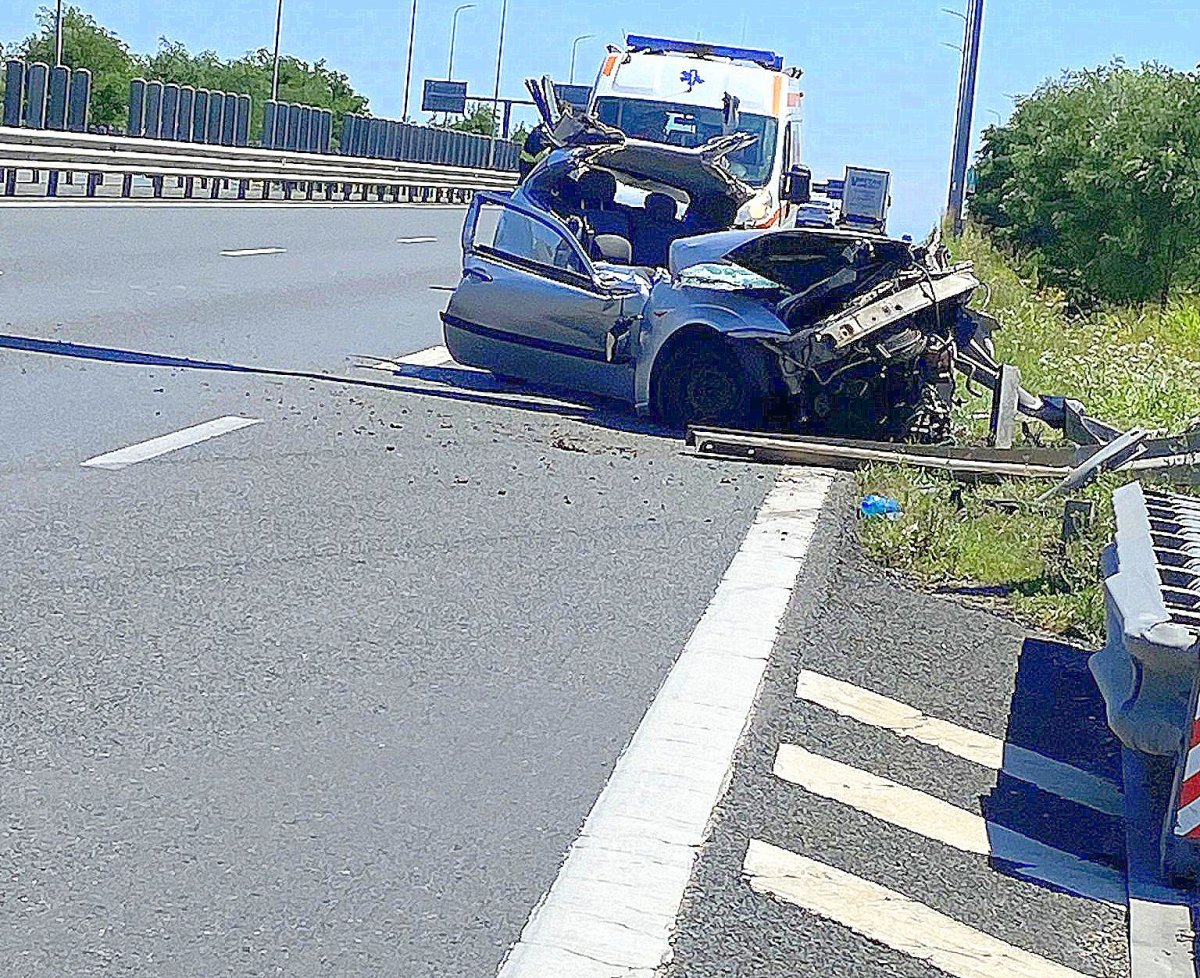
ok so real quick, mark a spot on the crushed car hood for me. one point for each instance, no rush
(767, 252)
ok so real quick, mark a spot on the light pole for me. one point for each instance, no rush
(275, 65)
(453, 35)
(574, 45)
(496, 90)
(412, 36)
(972, 36)
(58, 34)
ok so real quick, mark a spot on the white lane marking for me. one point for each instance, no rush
(875, 710)
(435, 356)
(415, 240)
(252, 252)
(890, 918)
(935, 819)
(612, 908)
(142, 451)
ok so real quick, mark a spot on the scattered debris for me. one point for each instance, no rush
(874, 506)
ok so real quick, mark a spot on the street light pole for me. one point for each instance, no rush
(275, 65)
(453, 36)
(412, 36)
(574, 45)
(58, 34)
(973, 33)
(496, 90)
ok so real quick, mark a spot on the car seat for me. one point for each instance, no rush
(656, 230)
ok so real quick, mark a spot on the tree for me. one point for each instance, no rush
(87, 45)
(479, 119)
(1097, 180)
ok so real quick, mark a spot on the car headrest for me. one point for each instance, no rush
(613, 248)
(661, 208)
(597, 187)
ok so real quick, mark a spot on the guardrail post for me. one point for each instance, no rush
(154, 94)
(137, 108)
(80, 100)
(228, 119)
(303, 129)
(216, 109)
(268, 130)
(14, 91)
(170, 112)
(324, 143)
(56, 99)
(241, 126)
(36, 78)
(200, 117)
(183, 124)
(293, 127)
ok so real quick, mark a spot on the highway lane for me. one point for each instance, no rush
(190, 282)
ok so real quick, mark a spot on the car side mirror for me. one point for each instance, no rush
(797, 185)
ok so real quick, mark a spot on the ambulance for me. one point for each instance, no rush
(684, 93)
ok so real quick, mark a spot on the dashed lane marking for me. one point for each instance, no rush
(407, 241)
(253, 252)
(613, 906)
(890, 918)
(142, 451)
(1050, 775)
(942, 822)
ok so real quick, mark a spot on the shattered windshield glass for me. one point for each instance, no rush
(692, 126)
(725, 276)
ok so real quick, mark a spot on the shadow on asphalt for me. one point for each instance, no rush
(1055, 816)
(446, 383)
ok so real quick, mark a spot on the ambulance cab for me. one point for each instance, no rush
(684, 93)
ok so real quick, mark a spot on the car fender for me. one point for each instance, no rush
(673, 308)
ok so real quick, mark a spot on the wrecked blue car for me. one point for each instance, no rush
(612, 270)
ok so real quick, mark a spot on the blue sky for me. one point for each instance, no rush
(879, 81)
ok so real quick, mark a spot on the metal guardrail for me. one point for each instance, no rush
(1149, 670)
(100, 157)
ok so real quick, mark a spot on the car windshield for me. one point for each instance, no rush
(694, 125)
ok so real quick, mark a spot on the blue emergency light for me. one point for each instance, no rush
(663, 45)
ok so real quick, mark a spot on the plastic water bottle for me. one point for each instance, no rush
(885, 506)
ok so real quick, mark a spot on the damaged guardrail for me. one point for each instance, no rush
(1149, 669)
(100, 157)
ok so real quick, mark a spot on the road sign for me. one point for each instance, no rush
(444, 96)
(867, 197)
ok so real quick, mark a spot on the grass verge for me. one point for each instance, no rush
(1129, 366)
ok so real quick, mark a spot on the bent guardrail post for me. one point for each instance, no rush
(1149, 669)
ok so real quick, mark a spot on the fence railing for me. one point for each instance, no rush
(40, 97)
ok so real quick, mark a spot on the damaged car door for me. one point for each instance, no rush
(532, 305)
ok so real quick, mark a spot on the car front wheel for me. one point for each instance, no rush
(700, 380)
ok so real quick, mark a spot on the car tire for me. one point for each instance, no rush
(701, 380)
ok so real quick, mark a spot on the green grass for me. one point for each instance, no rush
(1130, 366)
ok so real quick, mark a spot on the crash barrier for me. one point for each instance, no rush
(40, 97)
(181, 113)
(299, 128)
(1149, 669)
(221, 167)
(385, 139)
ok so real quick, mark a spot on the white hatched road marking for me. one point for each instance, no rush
(612, 908)
(253, 252)
(890, 918)
(875, 710)
(943, 822)
(418, 240)
(142, 451)
(434, 356)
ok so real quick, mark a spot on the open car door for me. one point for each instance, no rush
(531, 304)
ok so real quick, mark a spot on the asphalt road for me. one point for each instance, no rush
(332, 694)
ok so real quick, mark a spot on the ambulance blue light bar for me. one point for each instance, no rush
(663, 45)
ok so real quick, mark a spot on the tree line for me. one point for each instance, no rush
(1095, 183)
